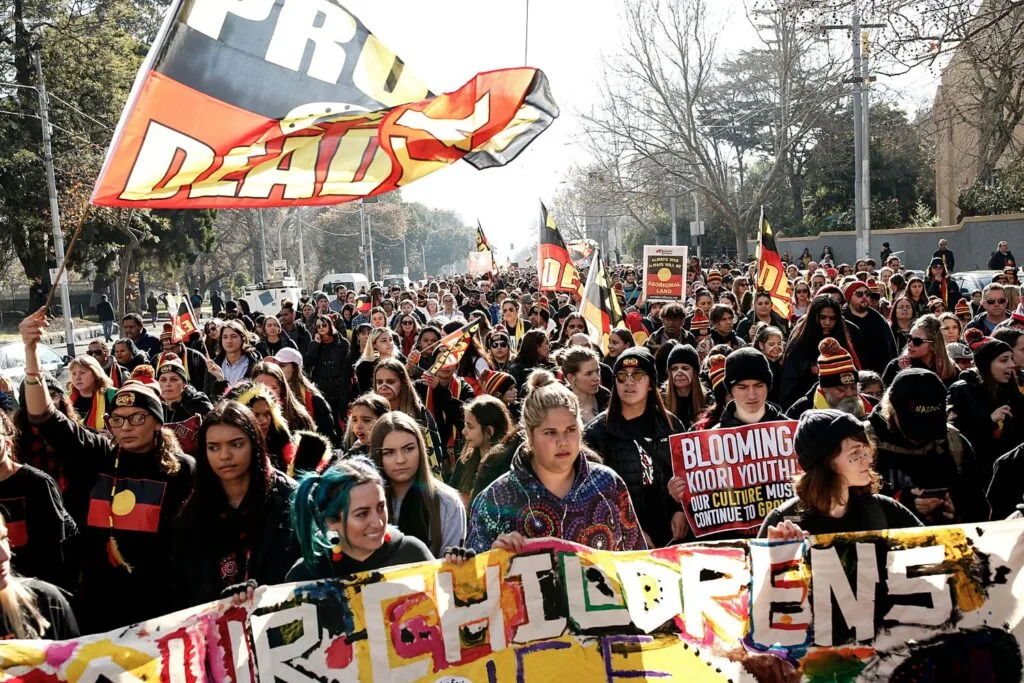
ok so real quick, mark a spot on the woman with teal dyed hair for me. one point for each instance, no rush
(340, 518)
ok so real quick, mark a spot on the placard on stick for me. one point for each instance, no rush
(734, 477)
(665, 273)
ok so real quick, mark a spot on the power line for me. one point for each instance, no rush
(19, 113)
(82, 113)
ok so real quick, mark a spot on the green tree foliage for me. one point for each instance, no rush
(90, 54)
(1005, 194)
(901, 174)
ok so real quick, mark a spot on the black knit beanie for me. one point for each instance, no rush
(747, 364)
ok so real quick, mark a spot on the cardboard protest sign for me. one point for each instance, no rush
(734, 477)
(921, 605)
(665, 273)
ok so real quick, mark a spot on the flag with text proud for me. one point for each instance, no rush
(771, 274)
(295, 102)
(557, 272)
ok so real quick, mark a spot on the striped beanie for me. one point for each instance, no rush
(835, 366)
(716, 375)
(962, 308)
(699, 323)
(496, 383)
(714, 276)
(873, 286)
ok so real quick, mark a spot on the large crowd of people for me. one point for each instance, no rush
(337, 435)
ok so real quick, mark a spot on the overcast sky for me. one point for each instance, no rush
(446, 42)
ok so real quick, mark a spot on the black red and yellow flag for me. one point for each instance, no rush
(452, 347)
(600, 307)
(126, 504)
(557, 272)
(481, 239)
(771, 274)
(295, 102)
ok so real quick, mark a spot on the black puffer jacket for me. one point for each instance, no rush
(199, 556)
(907, 469)
(972, 407)
(644, 462)
(327, 365)
(192, 403)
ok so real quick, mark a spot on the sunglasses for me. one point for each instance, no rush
(407, 322)
(635, 378)
(499, 345)
(917, 341)
(95, 353)
(995, 301)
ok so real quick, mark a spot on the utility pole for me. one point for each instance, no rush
(302, 253)
(861, 81)
(362, 239)
(369, 235)
(262, 262)
(51, 185)
(526, 40)
(405, 254)
(423, 258)
(672, 210)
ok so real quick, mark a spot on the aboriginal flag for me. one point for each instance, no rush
(600, 307)
(771, 274)
(481, 239)
(363, 304)
(557, 271)
(452, 347)
(126, 504)
(182, 324)
(293, 102)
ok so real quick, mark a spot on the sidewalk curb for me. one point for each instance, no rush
(79, 334)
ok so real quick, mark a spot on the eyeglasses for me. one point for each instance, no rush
(135, 419)
(407, 322)
(995, 301)
(96, 353)
(499, 345)
(860, 292)
(917, 341)
(635, 378)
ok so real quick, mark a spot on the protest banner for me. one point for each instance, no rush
(734, 477)
(665, 273)
(925, 604)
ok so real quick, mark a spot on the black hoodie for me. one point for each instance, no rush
(206, 565)
(908, 469)
(397, 550)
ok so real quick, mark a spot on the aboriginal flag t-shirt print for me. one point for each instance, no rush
(126, 504)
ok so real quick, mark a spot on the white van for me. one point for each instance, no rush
(266, 297)
(351, 281)
(397, 280)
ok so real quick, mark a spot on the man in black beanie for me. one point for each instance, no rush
(748, 377)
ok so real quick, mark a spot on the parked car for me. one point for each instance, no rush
(971, 280)
(12, 363)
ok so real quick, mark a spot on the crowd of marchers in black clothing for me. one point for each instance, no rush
(338, 435)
